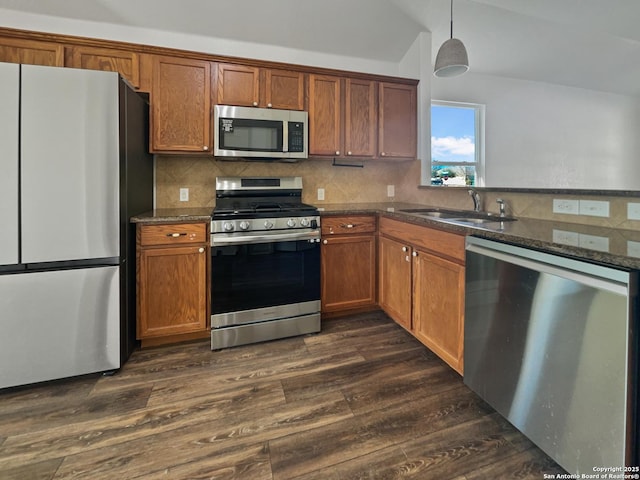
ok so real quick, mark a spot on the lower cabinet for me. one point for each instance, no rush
(172, 272)
(348, 265)
(421, 285)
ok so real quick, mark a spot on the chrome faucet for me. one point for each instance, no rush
(500, 202)
(476, 199)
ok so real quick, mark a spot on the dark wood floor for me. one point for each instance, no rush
(361, 400)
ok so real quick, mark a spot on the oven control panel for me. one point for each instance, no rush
(263, 224)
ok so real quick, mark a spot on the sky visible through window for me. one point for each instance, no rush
(452, 134)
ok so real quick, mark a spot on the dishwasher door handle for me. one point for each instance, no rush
(581, 276)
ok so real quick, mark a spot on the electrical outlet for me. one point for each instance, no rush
(633, 211)
(391, 191)
(321, 194)
(184, 194)
(594, 208)
(569, 207)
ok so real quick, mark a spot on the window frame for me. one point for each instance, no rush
(478, 163)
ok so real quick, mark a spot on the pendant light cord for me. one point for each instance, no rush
(451, 21)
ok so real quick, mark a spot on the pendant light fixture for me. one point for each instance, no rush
(452, 59)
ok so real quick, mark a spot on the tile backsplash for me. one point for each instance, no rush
(367, 184)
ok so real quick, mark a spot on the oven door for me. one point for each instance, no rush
(247, 277)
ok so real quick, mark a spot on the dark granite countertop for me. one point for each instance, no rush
(174, 215)
(597, 244)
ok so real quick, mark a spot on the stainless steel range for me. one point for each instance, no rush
(265, 261)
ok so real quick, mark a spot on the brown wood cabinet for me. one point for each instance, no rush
(361, 118)
(348, 265)
(172, 288)
(180, 119)
(32, 52)
(259, 87)
(422, 285)
(397, 127)
(124, 62)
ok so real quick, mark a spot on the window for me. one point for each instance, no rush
(457, 132)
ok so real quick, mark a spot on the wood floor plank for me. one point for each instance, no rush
(304, 452)
(44, 470)
(170, 449)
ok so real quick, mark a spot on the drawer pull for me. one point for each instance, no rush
(176, 235)
(348, 225)
(201, 250)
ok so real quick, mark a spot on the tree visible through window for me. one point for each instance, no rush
(456, 141)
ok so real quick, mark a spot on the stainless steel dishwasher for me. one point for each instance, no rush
(551, 344)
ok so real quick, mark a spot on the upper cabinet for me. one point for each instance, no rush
(32, 52)
(361, 118)
(397, 130)
(124, 62)
(180, 119)
(259, 87)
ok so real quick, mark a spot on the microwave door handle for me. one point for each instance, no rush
(285, 136)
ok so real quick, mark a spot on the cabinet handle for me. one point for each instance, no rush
(405, 249)
(347, 225)
(176, 235)
(201, 250)
(324, 242)
(255, 104)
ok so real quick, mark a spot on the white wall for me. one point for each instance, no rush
(214, 46)
(542, 135)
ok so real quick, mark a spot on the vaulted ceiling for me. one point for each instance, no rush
(591, 44)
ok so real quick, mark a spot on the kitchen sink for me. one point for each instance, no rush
(459, 216)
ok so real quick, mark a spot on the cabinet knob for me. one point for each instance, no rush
(255, 104)
(415, 254)
(201, 250)
(405, 249)
(269, 105)
(382, 154)
(349, 153)
(205, 147)
(337, 152)
(324, 242)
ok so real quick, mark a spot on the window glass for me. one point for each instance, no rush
(455, 143)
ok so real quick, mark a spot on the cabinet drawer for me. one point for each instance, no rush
(348, 225)
(177, 233)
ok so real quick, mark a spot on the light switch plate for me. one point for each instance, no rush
(321, 194)
(566, 206)
(633, 211)
(391, 191)
(594, 208)
(184, 194)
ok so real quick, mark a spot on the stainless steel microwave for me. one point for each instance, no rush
(260, 132)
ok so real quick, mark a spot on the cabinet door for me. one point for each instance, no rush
(438, 318)
(397, 136)
(360, 120)
(394, 289)
(238, 85)
(181, 105)
(105, 59)
(31, 52)
(283, 89)
(324, 115)
(348, 272)
(172, 290)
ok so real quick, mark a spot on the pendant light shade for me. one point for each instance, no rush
(452, 59)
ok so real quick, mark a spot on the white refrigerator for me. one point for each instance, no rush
(66, 263)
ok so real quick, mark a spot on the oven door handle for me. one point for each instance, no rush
(242, 239)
